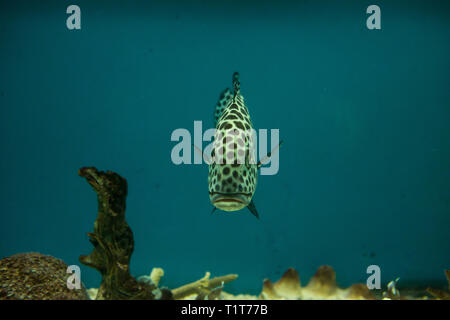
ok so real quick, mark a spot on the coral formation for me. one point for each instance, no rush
(154, 277)
(203, 289)
(36, 276)
(322, 286)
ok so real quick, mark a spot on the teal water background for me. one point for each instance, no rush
(364, 114)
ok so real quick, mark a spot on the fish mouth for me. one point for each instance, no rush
(230, 194)
(230, 201)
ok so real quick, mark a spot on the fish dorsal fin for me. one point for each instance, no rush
(266, 158)
(224, 100)
(236, 84)
(251, 206)
(226, 97)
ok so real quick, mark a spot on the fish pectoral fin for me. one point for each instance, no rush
(206, 158)
(214, 209)
(251, 206)
(267, 157)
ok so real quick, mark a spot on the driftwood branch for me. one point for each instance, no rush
(113, 241)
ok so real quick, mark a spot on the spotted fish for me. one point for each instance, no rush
(233, 171)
